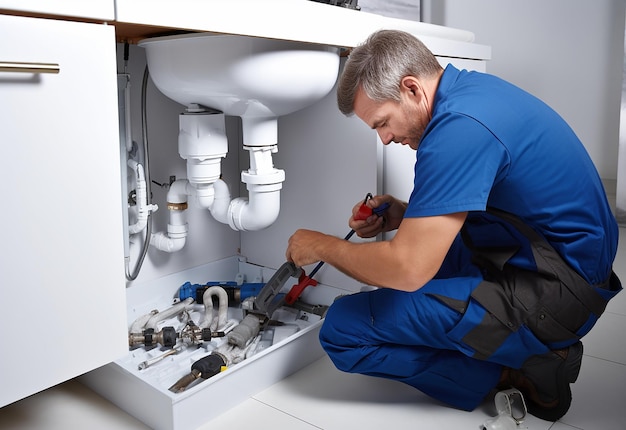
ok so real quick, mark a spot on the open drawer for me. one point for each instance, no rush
(144, 392)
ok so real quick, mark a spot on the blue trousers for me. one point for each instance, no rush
(415, 338)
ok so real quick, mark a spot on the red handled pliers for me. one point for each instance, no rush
(305, 280)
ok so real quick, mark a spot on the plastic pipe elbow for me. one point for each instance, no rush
(204, 194)
(178, 191)
(162, 242)
(259, 211)
(176, 235)
(221, 202)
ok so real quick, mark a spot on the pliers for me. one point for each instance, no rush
(265, 301)
(363, 213)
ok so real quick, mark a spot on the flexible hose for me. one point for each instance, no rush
(131, 276)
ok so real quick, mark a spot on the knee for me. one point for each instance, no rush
(339, 334)
(328, 335)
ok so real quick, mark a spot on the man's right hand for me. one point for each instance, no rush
(375, 224)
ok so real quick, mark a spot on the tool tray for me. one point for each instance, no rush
(144, 393)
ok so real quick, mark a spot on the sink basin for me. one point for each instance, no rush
(255, 78)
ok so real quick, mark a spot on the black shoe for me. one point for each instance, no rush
(544, 381)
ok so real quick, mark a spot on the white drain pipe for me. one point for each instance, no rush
(202, 142)
(176, 236)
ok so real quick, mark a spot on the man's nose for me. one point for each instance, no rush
(386, 138)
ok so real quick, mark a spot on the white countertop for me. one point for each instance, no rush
(300, 20)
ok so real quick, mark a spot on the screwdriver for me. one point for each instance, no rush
(204, 368)
(363, 213)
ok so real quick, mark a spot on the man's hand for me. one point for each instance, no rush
(304, 247)
(375, 224)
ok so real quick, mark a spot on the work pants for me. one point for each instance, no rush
(404, 336)
(443, 340)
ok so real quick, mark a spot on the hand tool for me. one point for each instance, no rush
(268, 299)
(204, 368)
(149, 362)
(363, 213)
(265, 303)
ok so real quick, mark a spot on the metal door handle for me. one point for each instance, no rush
(29, 67)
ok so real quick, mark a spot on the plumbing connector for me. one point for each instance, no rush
(143, 208)
(264, 182)
(202, 142)
(177, 228)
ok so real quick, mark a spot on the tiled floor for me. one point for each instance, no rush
(320, 397)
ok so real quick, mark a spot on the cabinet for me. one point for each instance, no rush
(63, 308)
(94, 9)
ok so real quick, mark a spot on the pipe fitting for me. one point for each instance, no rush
(259, 211)
(204, 194)
(215, 323)
(177, 193)
(264, 182)
(162, 242)
(176, 235)
(202, 142)
(221, 202)
(141, 197)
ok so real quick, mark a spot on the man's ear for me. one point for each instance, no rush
(411, 86)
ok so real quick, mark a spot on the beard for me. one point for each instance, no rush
(416, 119)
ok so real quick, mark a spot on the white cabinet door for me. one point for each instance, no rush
(62, 310)
(98, 9)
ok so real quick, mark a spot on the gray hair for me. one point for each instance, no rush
(379, 64)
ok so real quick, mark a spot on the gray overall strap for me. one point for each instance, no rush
(553, 302)
(550, 263)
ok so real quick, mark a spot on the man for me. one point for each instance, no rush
(502, 259)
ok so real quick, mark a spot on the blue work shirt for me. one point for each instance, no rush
(491, 144)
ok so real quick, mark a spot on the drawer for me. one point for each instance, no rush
(145, 393)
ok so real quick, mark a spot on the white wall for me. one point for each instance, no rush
(208, 240)
(566, 52)
(404, 9)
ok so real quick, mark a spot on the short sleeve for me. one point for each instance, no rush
(458, 162)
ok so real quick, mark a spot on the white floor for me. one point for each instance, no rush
(320, 397)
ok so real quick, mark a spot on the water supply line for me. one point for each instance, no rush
(141, 198)
(131, 275)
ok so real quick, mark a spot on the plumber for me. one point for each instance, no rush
(502, 257)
